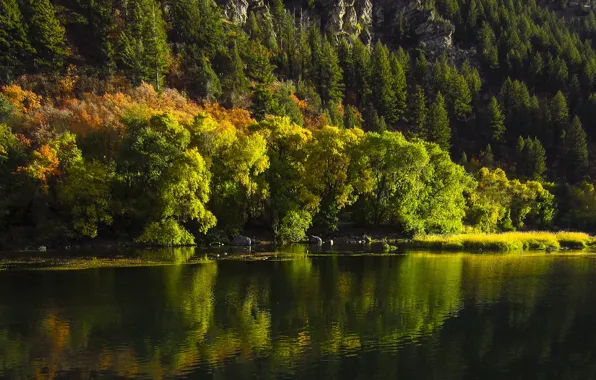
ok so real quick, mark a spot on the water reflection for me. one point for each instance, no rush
(433, 316)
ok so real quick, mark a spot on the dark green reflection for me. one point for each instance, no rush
(421, 316)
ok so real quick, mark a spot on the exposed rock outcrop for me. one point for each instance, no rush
(366, 19)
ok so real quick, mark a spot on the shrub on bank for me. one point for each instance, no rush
(509, 241)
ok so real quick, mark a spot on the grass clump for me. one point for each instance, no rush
(508, 241)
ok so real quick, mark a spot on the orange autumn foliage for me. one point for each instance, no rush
(236, 116)
(24, 100)
(44, 164)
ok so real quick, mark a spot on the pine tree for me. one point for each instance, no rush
(488, 159)
(362, 72)
(495, 121)
(209, 86)
(260, 70)
(46, 35)
(558, 114)
(537, 160)
(235, 83)
(383, 85)
(14, 46)
(530, 159)
(352, 118)
(463, 161)
(400, 86)
(346, 62)
(472, 78)
(404, 59)
(488, 46)
(418, 112)
(472, 17)
(420, 67)
(143, 48)
(374, 122)
(330, 81)
(437, 123)
(460, 97)
(99, 28)
(576, 149)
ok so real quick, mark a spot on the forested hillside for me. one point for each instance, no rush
(165, 120)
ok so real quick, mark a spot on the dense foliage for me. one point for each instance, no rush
(162, 121)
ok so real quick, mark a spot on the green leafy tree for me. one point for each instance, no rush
(498, 203)
(162, 182)
(286, 149)
(327, 172)
(413, 185)
(85, 191)
(237, 162)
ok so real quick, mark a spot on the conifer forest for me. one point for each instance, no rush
(174, 122)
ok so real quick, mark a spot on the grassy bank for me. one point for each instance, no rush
(508, 241)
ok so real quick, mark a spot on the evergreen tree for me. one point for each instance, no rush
(362, 72)
(463, 161)
(330, 75)
(420, 67)
(460, 97)
(46, 35)
(399, 85)
(235, 84)
(488, 46)
(576, 149)
(197, 26)
(260, 70)
(495, 121)
(472, 78)
(530, 159)
(559, 111)
(352, 118)
(99, 28)
(374, 122)
(437, 123)
(143, 48)
(14, 46)
(418, 112)
(383, 84)
(209, 86)
(346, 62)
(488, 159)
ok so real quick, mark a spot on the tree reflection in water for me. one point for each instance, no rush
(448, 316)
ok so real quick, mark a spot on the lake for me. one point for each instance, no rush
(407, 316)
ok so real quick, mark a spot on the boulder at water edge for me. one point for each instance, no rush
(241, 241)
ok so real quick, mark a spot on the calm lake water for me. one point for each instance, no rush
(413, 316)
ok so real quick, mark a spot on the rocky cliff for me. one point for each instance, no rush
(389, 20)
